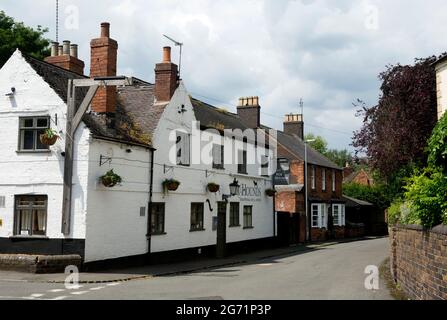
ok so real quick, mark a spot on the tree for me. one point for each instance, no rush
(319, 143)
(340, 157)
(395, 132)
(437, 145)
(15, 35)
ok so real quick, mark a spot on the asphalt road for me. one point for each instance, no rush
(333, 272)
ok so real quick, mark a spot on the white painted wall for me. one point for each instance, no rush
(42, 173)
(193, 189)
(441, 82)
(115, 228)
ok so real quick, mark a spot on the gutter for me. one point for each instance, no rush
(149, 208)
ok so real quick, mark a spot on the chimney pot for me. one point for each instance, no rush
(167, 55)
(61, 51)
(66, 47)
(55, 49)
(74, 50)
(105, 30)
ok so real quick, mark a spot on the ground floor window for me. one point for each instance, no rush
(197, 217)
(319, 215)
(234, 214)
(158, 218)
(31, 216)
(338, 212)
(248, 217)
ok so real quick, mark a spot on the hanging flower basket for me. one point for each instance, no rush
(49, 137)
(270, 192)
(213, 187)
(110, 179)
(171, 185)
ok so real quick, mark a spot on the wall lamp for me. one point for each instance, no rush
(234, 190)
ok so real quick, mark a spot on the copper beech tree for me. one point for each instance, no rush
(395, 131)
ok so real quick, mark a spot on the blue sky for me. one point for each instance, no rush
(327, 52)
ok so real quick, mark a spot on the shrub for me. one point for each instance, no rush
(377, 195)
(437, 145)
(427, 192)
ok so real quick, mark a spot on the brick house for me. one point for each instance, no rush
(324, 189)
(362, 177)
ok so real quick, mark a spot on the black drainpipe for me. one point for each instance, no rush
(149, 210)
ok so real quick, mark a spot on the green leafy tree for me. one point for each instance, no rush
(437, 145)
(340, 157)
(15, 35)
(319, 143)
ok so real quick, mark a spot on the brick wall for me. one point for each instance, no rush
(419, 261)
(38, 264)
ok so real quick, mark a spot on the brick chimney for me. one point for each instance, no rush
(104, 54)
(294, 125)
(249, 111)
(66, 57)
(166, 77)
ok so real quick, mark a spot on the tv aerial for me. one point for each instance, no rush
(177, 44)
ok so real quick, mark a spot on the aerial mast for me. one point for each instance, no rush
(177, 44)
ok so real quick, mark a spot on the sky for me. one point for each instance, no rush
(327, 52)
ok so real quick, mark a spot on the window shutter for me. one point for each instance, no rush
(187, 150)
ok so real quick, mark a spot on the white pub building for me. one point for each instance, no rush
(188, 178)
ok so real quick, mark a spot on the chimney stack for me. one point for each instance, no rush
(166, 77)
(64, 57)
(294, 125)
(249, 111)
(104, 55)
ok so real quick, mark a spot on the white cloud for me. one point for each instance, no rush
(281, 50)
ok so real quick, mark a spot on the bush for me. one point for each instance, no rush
(427, 192)
(403, 212)
(377, 195)
(437, 145)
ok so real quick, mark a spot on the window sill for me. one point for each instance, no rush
(248, 228)
(197, 230)
(235, 226)
(158, 234)
(33, 152)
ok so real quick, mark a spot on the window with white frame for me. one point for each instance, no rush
(338, 213)
(313, 177)
(323, 179)
(334, 181)
(183, 144)
(265, 163)
(319, 216)
(218, 156)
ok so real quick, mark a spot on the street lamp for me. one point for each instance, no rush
(306, 185)
(234, 190)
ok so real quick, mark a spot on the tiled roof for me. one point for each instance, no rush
(294, 148)
(136, 116)
(212, 117)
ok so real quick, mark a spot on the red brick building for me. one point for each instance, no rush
(326, 208)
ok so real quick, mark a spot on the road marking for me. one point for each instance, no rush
(56, 290)
(37, 295)
(113, 284)
(265, 265)
(59, 298)
(78, 293)
(97, 288)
